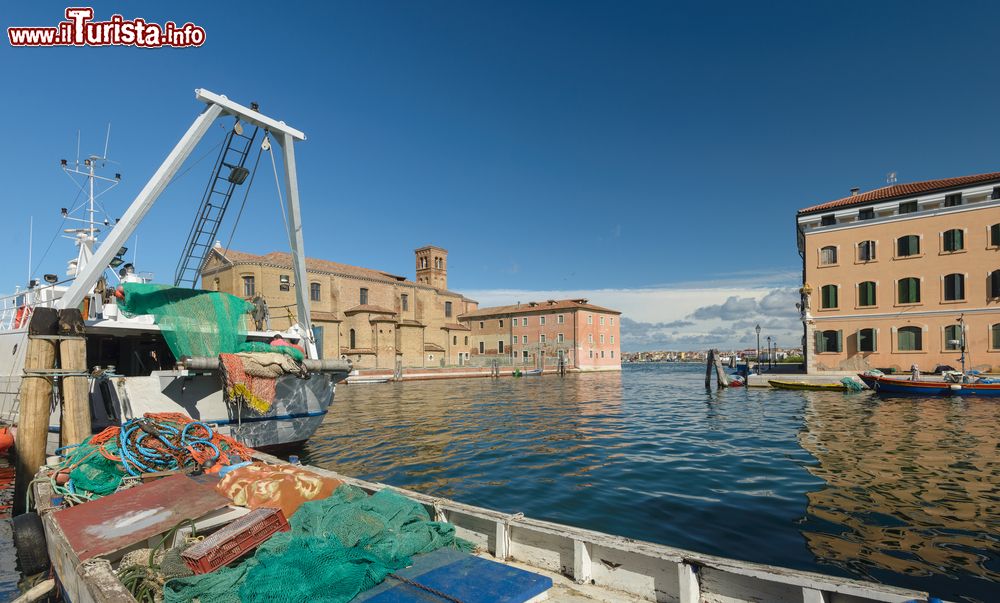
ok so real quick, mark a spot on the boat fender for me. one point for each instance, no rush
(955, 387)
(20, 319)
(29, 540)
(120, 292)
(6, 439)
(62, 478)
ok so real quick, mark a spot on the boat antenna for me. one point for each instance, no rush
(31, 229)
(107, 139)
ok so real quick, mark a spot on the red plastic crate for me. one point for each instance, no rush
(234, 540)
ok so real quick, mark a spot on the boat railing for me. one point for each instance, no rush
(14, 313)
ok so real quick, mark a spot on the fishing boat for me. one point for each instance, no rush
(778, 384)
(969, 386)
(578, 565)
(131, 366)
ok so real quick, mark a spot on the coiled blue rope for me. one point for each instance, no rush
(139, 457)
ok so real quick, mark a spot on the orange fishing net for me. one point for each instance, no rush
(283, 487)
(241, 386)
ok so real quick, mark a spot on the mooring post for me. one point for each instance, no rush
(709, 358)
(720, 373)
(74, 385)
(35, 400)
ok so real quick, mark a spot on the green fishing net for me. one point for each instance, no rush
(337, 547)
(92, 472)
(193, 322)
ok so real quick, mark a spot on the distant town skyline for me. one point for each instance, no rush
(648, 156)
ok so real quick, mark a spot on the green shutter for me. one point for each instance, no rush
(840, 341)
(996, 336)
(905, 340)
(995, 234)
(866, 294)
(818, 336)
(954, 240)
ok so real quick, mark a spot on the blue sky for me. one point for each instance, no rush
(650, 155)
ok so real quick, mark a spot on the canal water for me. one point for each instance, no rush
(903, 491)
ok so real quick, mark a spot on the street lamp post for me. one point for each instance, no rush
(768, 352)
(758, 348)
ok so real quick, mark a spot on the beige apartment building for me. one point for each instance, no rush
(374, 318)
(581, 335)
(903, 275)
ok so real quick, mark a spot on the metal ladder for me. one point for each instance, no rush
(230, 171)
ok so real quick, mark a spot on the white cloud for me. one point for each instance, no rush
(692, 316)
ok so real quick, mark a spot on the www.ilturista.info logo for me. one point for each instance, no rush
(79, 29)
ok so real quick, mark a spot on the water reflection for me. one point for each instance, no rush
(425, 435)
(900, 491)
(910, 486)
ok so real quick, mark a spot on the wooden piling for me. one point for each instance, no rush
(720, 373)
(709, 362)
(75, 386)
(35, 398)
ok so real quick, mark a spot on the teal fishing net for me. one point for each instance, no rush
(259, 346)
(337, 547)
(851, 384)
(193, 322)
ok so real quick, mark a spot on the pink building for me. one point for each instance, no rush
(536, 334)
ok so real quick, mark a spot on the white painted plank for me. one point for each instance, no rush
(687, 578)
(811, 595)
(582, 569)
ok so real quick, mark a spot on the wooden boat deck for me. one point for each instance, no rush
(584, 565)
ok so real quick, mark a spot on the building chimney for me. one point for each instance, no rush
(854, 191)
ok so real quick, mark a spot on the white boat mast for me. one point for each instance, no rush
(85, 237)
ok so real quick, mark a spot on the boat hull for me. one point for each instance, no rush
(836, 387)
(901, 386)
(297, 411)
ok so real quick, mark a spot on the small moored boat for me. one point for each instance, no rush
(885, 384)
(806, 385)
